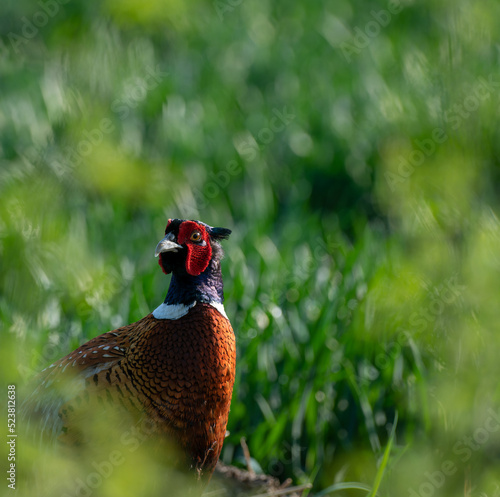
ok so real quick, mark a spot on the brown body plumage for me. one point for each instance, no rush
(173, 369)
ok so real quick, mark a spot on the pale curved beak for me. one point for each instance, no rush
(167, 245)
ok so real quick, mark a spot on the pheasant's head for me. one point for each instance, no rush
(189, 246)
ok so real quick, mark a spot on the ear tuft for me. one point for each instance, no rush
(219, 233)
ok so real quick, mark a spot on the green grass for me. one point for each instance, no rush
(358, 288)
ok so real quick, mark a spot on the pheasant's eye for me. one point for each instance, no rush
(195, 236)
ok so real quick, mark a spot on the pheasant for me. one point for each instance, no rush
(174, 368)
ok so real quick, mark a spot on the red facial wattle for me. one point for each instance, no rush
(198, 253)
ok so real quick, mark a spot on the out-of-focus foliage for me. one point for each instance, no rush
(351, 147)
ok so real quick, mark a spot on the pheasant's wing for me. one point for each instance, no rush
(94, 372)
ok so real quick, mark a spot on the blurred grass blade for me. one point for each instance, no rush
(380, 473)
(343, 486)
(385, 459)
